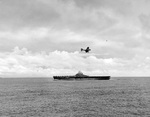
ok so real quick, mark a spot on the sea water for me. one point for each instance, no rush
(42, 97)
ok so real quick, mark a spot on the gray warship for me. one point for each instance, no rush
(81, 76)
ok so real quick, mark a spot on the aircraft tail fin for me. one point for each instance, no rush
(82, 49)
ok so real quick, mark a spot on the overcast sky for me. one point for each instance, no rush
(44, 37)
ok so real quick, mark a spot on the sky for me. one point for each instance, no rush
(42, 38)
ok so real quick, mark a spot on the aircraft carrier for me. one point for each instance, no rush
(81, 76)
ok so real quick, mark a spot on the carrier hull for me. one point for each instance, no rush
(81, 78)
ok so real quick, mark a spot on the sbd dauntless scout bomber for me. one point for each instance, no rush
(86, 50)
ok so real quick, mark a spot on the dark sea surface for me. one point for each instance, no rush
(42, 97)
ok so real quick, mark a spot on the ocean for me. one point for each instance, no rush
(42, 97)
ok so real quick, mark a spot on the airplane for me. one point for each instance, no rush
(86, 50)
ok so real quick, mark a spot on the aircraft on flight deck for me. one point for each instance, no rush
(86, 50)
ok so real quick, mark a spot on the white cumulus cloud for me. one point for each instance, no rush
(24, 63)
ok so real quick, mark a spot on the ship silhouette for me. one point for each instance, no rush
(81, 76)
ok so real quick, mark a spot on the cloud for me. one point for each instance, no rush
(58, 14)
(145, 22)
(24, 63)
(43, 39)
(116, 31)
(19, 13)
